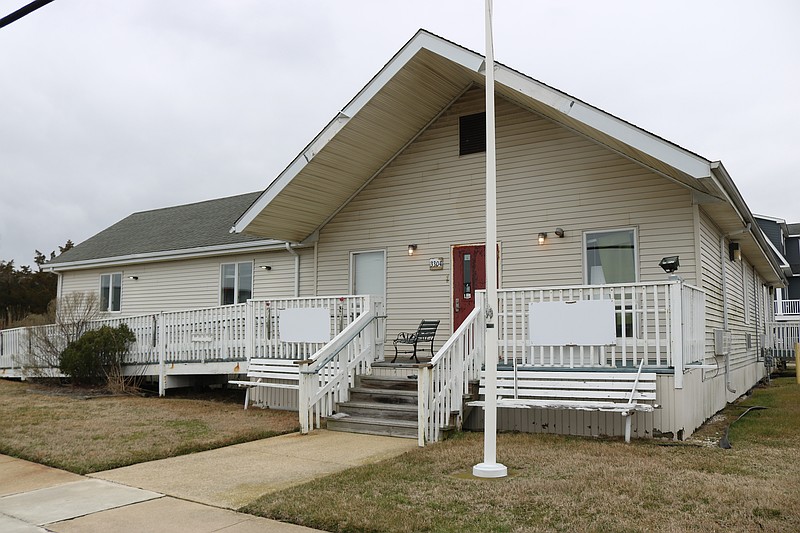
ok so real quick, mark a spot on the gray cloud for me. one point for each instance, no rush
(107, 108)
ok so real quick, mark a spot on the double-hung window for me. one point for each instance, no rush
(110, 292)
(610, 256)
(236, 283)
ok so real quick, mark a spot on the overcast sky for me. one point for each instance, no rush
(108, 108)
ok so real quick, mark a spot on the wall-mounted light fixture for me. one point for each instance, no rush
(670, 264)
(411, 249)
(560, 233)
(734, 252)
(134, 278)
(266, 267)
(542, 237)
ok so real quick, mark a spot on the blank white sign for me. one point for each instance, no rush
(581, 323)
(305, 325)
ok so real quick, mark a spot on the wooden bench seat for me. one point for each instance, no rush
(619, 392)
(260, 370)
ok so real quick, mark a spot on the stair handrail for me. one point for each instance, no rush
(326, 377)
(444, 381)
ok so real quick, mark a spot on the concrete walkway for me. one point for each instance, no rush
(197, 492)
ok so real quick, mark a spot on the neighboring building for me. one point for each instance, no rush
(784, 242)
(388, 200)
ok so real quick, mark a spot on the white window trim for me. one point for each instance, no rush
(748, 277)
(110, 291)
(585, 259)
(236, 281)
(352, 282)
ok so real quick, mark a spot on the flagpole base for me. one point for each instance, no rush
(489, 470)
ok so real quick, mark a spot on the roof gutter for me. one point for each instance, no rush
(721, 175)
(168, 255)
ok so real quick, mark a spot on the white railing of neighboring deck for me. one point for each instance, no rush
(781, 339)
(443, 382)
(326, 377)
(787, 307)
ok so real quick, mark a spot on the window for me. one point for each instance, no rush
(610, 256)
(472, 134)
(368, 272)
(110, 292)
(236, 283)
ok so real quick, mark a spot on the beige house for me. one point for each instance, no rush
(388, 200)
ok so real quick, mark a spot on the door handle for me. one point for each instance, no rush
(458, 305)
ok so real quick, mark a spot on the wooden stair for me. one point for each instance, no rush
(379, 405)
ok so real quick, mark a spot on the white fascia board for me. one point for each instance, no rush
(170, 255)
(629, 134)
(783, 262)
(771, 219)
(422, 40)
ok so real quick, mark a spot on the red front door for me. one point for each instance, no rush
(469, 275)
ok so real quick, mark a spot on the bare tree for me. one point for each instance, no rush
(66, 320)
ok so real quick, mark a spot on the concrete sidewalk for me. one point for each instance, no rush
(196, 492)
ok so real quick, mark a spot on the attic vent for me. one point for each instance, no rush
(472, 134)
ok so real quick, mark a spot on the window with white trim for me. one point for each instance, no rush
(610, 256)
(236, 283)
(111, 292)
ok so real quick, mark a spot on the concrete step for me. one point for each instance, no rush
(388, 382)
(387, 411)
(365, 394)
(374, 426)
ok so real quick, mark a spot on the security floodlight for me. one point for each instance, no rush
(670, 264)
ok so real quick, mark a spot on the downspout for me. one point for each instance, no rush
(296, 269)
(724, 261)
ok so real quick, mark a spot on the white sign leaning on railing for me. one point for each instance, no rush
(578, 323)
(312, 324)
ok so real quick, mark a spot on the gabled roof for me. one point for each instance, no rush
(419, 84)
(196, 228)
(410, 92)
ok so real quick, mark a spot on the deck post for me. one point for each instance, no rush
(676, 331)
(249, 330)
(423, 403)
(162, 346)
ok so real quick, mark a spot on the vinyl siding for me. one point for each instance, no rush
(548, 177)
(194, 283)
(746, 367)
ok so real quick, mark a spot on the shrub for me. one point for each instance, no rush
(96, 357)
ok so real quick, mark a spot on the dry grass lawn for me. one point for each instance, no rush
(575, 484)
(48, 425)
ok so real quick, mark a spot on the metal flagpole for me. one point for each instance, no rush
(490, 468)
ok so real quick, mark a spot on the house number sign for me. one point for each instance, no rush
(437, 263)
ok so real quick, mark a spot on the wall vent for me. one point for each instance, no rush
(472, 134)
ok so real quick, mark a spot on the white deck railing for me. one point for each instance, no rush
(264, 317)
(13, 343)
(661, 323)
(782, 337)
(326, 377)
(787, 307)
(214, 334)
(444, 381)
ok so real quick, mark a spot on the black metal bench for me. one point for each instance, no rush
(425, 333)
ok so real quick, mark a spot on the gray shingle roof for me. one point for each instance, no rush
(182, 227)
(794, 229)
